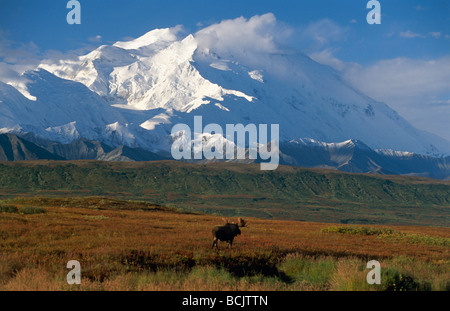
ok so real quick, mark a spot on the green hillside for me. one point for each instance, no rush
(243, 190)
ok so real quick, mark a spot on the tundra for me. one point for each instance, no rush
(227, 233)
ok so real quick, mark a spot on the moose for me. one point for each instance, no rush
(228, 232)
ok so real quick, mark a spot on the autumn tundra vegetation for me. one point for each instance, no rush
(132, 245)
(147, 226)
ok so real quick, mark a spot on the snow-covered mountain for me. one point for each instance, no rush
(356, 157)
(133, 92)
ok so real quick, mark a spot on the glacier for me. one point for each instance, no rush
(132, 93)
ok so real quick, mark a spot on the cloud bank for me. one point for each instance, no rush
(243, 38)
(418, 89)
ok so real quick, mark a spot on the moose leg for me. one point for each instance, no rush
(215, 243)
(230, 243)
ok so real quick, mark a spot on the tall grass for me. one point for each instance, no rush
(137, 247)
(391, 235)
(313, 272)
(301, 273)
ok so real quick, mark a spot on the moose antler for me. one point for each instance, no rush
(242, 223)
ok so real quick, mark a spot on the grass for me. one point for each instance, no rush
(230, 189)
(23, 210)
(8, 209)
(126, 245)
(358, 230)
(390, 234)
(30, 210)
(309, 271)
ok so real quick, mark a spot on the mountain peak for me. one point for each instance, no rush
(357, 143)
(117, 94)
(165, 35)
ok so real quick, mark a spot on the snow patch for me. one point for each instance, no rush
(22, 88)
(222, 107)
(64, 133)
(151, 124)
(220, 66)
(256, 75)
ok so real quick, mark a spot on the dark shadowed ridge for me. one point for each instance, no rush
(14, 148)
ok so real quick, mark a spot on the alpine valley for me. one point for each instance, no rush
(120, 102)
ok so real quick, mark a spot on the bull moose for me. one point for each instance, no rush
(228, 232)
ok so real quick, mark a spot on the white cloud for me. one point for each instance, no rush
(323, 32)
(403, 80)
(435, 34)
(417, 89)
(15, 53)
(95, 39)
(413, 87)
(419, 8)
(16, 58)
(7, 73)
(432, 117)
(440, 103)
(244, 38)
(326, 57)
(411, 35)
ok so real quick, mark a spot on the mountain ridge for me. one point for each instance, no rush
(14, 148)
(239, 189)
(132, 93)
(350, 156)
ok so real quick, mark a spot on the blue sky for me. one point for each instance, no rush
(404, 62)
(44, 23)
